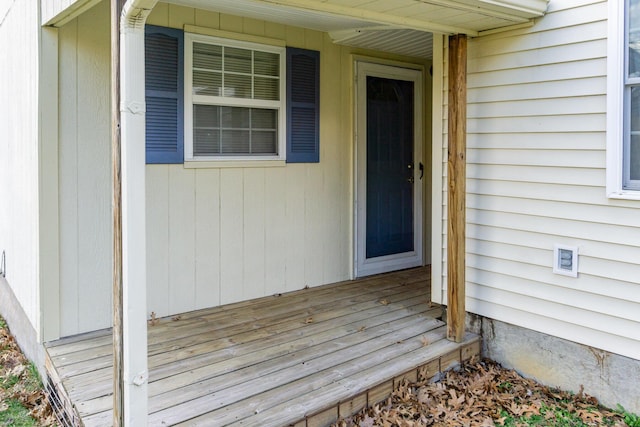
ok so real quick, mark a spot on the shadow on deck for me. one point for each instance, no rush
(303, 358)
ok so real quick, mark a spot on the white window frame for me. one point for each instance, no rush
(189, 99)
(616, 103)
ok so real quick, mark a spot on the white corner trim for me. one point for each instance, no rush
(437, 286)
(615, 110)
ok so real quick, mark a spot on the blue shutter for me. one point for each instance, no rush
(303, 106)
(164, 84)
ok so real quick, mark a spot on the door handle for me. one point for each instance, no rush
(421, 167)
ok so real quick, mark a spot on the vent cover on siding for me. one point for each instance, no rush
(565, 260)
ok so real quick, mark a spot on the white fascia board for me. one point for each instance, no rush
(518, 8)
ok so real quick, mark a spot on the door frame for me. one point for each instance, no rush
(362, 265)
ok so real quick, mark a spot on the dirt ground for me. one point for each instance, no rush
(482, 393)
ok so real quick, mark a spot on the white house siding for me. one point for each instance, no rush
(536, 177)
(85, 172)
(19, 32)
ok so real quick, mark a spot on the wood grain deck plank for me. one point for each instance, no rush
(183, 360)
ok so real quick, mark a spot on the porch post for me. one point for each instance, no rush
(456, 188)
(130, 275)
(116, 10)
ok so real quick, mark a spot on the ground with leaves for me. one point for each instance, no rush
(482, 393)
(22, 401)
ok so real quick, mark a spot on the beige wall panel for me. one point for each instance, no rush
(85, 173)
(157, 196)
(207, 235)
(94, 170)
(232, 235)
(253, 257)
(295, 216)
(182, 239)
(68, 179)
(276, 229)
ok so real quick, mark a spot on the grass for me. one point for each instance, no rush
(13, 413)
(22, 401)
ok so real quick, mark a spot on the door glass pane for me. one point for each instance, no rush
(390, 168)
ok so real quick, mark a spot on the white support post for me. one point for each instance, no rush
(134, 275)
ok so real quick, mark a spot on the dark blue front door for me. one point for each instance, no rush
(390, 163)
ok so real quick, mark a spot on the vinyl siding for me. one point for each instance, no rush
(536, 177)
(19, 31)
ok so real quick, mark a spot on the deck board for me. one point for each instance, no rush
(272, 361)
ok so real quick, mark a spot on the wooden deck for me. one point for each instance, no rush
(303, 358)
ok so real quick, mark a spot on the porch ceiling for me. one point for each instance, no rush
(400, 26)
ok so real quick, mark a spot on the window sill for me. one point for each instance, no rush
(216, 164)
(625, 195)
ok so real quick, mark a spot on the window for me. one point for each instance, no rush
(631, 150)
(217, 99)
(235, 99)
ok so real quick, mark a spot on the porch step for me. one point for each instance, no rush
(321, 399)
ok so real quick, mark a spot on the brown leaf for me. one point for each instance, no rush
(308, 320)
(384, 301)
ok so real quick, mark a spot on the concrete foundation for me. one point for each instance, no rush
(611, 378)
(20, 326)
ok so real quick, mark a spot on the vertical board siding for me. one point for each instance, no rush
(19, 169)
(214, 235)
(536, 162)
(258, 231)
(85, 173)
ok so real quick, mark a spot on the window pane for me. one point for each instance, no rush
(207, 83)
(264, 119)
(206, 130)
(266, 64)
(266, 88)
(264, 142)
(207, 56)
(235, 118)
(237, 86)
(235, 142)
(634, 140)
(634, 158)
(634, 38)
(237, 60)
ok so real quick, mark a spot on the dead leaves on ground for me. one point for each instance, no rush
(17, 381)
(478, 394)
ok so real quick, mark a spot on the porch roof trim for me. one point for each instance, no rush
(469, 17)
